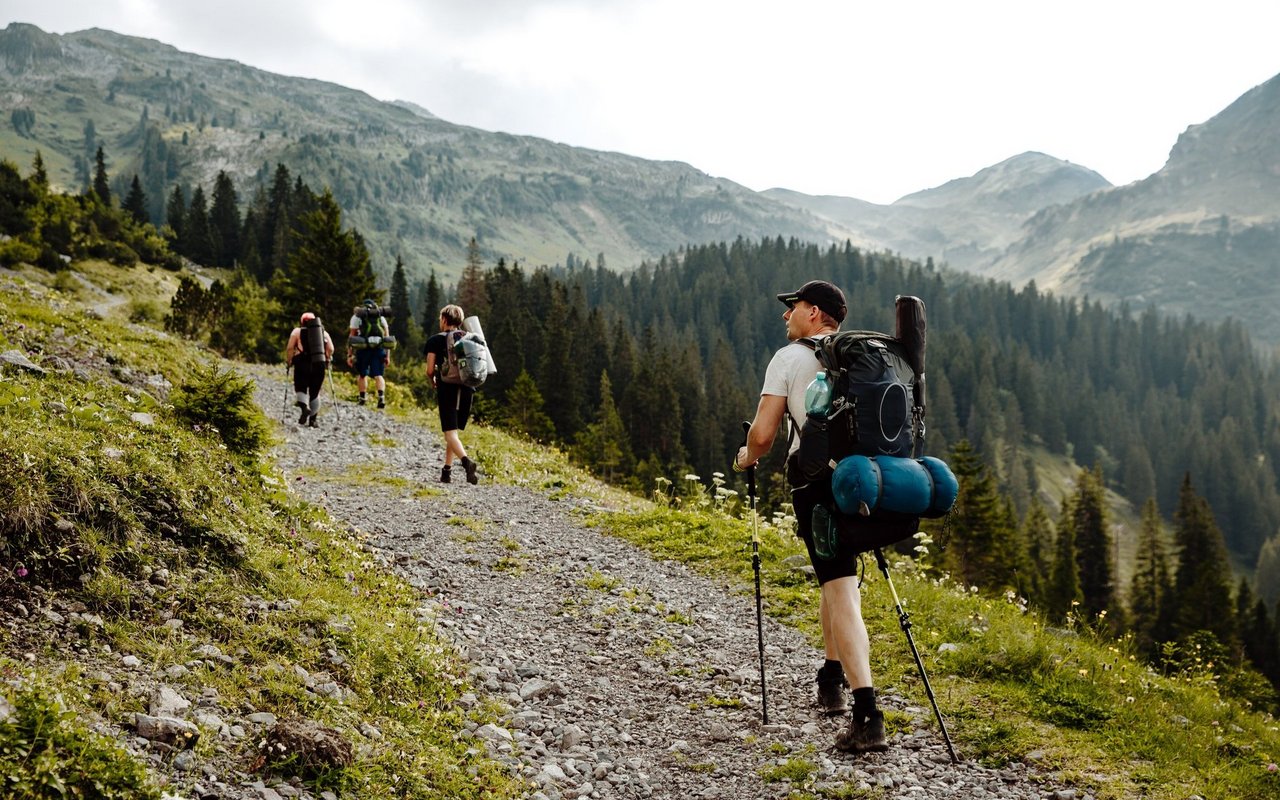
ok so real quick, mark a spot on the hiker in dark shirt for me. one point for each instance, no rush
(453, 398)
(815, 310)
(309, 355)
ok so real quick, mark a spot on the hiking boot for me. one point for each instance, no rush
(311, 422)
(305, 412)
(865, 734)
(470, 467)
(444, 473)
(831, 698)
(382, 402)
(360, 399)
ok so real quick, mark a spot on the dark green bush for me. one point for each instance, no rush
(222, 399)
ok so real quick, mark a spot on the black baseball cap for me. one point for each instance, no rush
(821, 294)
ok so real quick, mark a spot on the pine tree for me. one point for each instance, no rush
(101, 184)
(980, 550)
(432, 302)
(1037, 536)
(38, 172)
(603, 446)
(135, 204)
(1151, 598)
(1093, 544)
(524, 410)
(1063, 591)
(471, 293)
(224, 222)
(401, 322)
(197, 239)
(175, 215)
(1267, 572)
(329, 271)
(1201, 583)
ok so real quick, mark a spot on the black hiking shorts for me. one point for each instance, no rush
(454, 400)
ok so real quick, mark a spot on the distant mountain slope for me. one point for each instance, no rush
(966, 222)
(415, 185)
(1201, 236)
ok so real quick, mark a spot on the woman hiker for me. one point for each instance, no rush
(452, 397)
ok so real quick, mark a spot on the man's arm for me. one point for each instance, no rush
(764, 428)
(295, 337)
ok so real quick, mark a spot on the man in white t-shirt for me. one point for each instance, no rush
(813, 311)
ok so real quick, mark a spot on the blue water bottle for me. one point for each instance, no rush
(817, 398)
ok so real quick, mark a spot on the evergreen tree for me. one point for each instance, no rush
(471, 294)
(175, 214)
(1151, 599)
(197, 240)
(1202, 579)
(39, 174)
(523, 409)
(224, 222)
(1267, 572)
(980, 548)
(432, 302)
(401, 322)
(101, 184)
(1093, 544)
(329, 271)
(135, 204)
(602, 446)
(1063, 591)
(1037, 534)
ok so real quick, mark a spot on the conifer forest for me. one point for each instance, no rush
(649, 373)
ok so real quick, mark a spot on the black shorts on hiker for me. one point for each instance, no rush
(853, 535)
(455, 405)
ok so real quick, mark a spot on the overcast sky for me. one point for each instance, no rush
(863, 99)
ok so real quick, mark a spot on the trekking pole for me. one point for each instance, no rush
(904, 620)
(755, 566)
(284, 412)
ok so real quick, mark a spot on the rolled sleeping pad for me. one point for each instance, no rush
(923, 487)
(313, 341)
(371, 342)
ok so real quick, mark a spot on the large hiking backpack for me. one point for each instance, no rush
(312, 336)
(466, 360)
(855, 470)
(373, 333)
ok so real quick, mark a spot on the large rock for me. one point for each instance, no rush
(307, 747)
(15, 358)
(166, 730)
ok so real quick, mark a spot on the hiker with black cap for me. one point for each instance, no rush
(453, 397)
(816, 310)
(309, 352)
(368, 322)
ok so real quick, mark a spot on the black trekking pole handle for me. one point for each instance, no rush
(755, 567)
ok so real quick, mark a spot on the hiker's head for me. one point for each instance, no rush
(813, 307)
(451, 315)
(307, 317)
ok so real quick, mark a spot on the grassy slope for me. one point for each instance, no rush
(1012, 689)
(273, 583)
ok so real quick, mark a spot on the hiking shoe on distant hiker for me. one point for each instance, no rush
(311, 422)
(382, 401)
(444, 473)
(360, 399)
(831, 686)
(470, 467)
(865, 734)
(305, 412)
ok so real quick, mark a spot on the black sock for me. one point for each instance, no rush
(831, 671)
(864, 700)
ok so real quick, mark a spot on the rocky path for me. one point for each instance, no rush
(625, 677)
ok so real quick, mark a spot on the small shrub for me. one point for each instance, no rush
(146, 311)
(223, 399)
(46, 754)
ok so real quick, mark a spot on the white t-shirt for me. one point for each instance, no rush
(788, 375)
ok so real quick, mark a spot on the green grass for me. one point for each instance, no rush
(90, 492)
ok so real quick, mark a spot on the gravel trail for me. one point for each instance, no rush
(625, 677)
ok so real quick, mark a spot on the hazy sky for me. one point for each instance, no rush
(864, 99)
